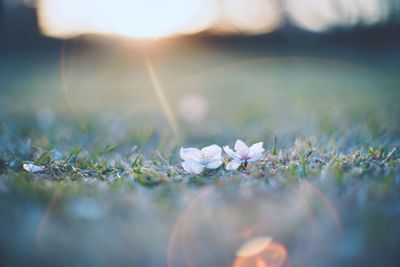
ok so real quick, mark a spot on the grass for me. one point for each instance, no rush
(304, 160)
(134, 191)
(112, 191)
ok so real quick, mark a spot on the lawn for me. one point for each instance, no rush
(103, 183)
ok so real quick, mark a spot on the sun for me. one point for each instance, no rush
(130, 18)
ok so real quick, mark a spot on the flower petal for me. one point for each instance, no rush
(233, 165)
(211, 153)
(231, 153)
(257, 148)
(192, 166)
(32, 168)
(241, 148)
(214, 164)
(190, 153)
(254, 158)
(256, 151)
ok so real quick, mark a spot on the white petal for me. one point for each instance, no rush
(192, 167)
(241, 148)
(254, 157)
(256, 151)
(231, 153)
(233, 165)
(212, 153)
(257, 148)
(190, 153)
(214, 164)
(32, 168)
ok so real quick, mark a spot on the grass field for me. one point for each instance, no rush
(111, 190)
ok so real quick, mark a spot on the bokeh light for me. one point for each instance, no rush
(322, 15)
(253, 246)
(249, 17)
(260, 252)
(155, 18)
(193, 108)
(134, 18)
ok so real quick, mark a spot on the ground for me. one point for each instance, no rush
(111, 190)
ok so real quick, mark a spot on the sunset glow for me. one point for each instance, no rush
(156, 18)
(131, 18)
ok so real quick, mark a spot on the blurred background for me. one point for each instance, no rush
(157, 75)
(326, 66)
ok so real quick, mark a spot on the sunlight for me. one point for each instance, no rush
(322, 15)
(131, 18)
(161, 97)
(252, 17)
(156, 18)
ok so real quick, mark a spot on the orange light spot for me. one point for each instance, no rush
(260, 252)
(261, 263)
(254, 247)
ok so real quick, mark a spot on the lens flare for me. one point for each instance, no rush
(45, 218)
(254, 246)
(162, 98)
(193, 108)
(260, 252)
(177, 246)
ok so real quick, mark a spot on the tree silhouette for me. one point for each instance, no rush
(1, 15)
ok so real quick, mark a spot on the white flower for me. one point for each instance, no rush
(243, 154)
(196, 160)
(32, 168)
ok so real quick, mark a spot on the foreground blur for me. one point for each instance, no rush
(238, 225)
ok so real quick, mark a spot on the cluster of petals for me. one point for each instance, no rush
(197, 160)
(243, 155)
(32, 168)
